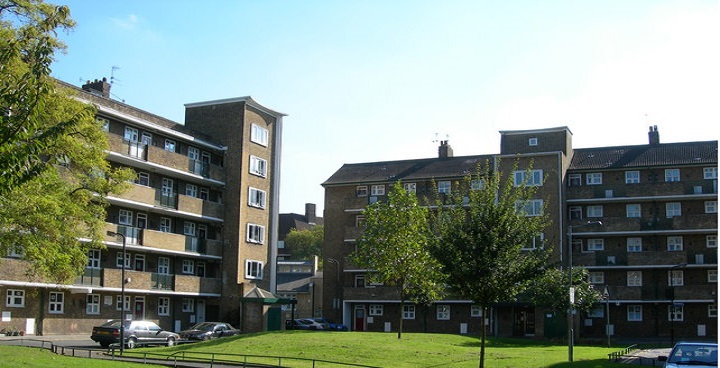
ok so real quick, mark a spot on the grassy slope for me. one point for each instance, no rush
(16, 356)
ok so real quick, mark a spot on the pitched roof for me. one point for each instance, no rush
(666, 154)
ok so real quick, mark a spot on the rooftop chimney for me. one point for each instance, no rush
(445, 151)
(653, 135)
(310, 213)
(98, 87)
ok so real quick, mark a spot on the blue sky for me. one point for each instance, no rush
(376, 80)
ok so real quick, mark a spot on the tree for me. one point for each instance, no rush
(305, 243)
(551, 290)
(395, 249)
(52, 151)
(482, 237)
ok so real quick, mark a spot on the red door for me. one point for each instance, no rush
(359, 318)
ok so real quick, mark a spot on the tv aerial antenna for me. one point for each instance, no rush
(113, 80)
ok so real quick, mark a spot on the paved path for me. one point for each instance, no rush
(644, 356)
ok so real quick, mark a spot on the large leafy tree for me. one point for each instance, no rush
(54, 172)
(394, 247)
(482, 238)
(551, 290)
(305, 243)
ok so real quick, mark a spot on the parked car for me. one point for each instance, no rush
(208, 330)
(136, 333)
(302, 324)
(331, 325)
(692, 354)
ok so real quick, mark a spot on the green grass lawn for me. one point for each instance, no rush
(367, 348)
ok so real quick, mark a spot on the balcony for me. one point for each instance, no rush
(89, 277)
(161, 281)
(187, 283)
(200, 207)
(697, 187)
(162, 240)
(371, 293)
(155, 281)
(622, 224)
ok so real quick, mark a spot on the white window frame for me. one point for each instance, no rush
(532, 141)
(598, 311)
(593, 179)
(475, 310)
(94, 259)
(163, 308)
(535, 179)
(710, 173)
(191, 190)
(712, 311)
(594, 245)
(594, 211)
(92, 304)
(410, 187)
(712, 276)
(119, 303)
(634, 313)
(361, 191)
(165, 225)
(633, 210)
(711, 241)
(255, 233)
(537, 242)
(170, 145)
(711, 207)
(444, 186)
(375, 310)
(672, 175)
(143, 179)
(125, 217)
(105, 123)
(56, 302)
(632, 177)
(676, 278)
(163, 266)
(189, 228)
(188, 305)
(676, 312)
(119, 259)
(377, 190)
(256, 198)
(596, 277)
(674, 243)
(408, 311)
(193, 153)
(673, 209)
(442, 312)
(15, 298)
(575, 212)
(574, 180)
(258, 166)
(254, 269)
(259, 135)
(131, 134)
(634, 278)
(634, 244)
(531, 207)
(188, 266)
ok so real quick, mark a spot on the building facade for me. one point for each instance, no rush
(642, 219)
(197, 224)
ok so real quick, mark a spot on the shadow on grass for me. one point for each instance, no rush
(499, 342)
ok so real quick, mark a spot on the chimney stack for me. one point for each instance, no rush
(445, 151)
(310, 216)
(98, 87)
(654, 135)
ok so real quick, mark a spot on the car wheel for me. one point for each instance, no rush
(131, 343)
(105, 344)
(170, 341)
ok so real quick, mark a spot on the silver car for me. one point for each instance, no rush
(692, 354)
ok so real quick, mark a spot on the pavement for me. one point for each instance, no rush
(644, 356)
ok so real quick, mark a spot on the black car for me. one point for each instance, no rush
(136, 333)
(208, 330)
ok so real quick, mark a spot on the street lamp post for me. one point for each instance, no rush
(672, 302)
(122, 291)
(571, 293)
(606, 295)
(336, 300)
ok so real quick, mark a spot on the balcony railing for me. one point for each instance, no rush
(161, 281)
(89, 277)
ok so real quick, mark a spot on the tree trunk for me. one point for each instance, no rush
(483, 334)
(400, 322)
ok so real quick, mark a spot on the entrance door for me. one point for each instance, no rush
(200, 311)
(524, 322)
(139, 310)
(359, 318)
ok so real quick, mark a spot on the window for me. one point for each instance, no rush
(119, 304)
(672, 175)
(633, 210)
(444, 187)
(15, 298)
(410, 187)
(359, 281)
(259, 135)
(188, 266)
(256, 198)
(92, 304)
(537, 242)
(593, 178)
(533, 178)
(597, 312)
(575, 212)
(594, 211)
(710, 173)
(258, 166)
(163, 306)
(361, 191)
(675, 278)
(632, 177)
(377, 190)
(56, 302)
(672, 209)
(634, 245)
(204, 194)
(408, 312)
(104, 123)
(253, 269)
(255, 233)
(710, 206)
(143, 179)
(360, 221)
(712, 310)
(533, 207)
(170, 145)
(574, 180)
(165, 225)
(532, 141)
(125, 217)
(93, 258)
(477, 184)
(594, 245)
(119, 260)
(375, 310)
(712, 276)
(676, 312)
(475, 311)
(711, 241)
(634, 313)
(140, 262)
(596, 277)
(442, 312)
(131, 134)
(188, 305)
(634, 278)
(189, 228)
(193, 153)
(191, 190)
(674, 243)
(163, 265)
